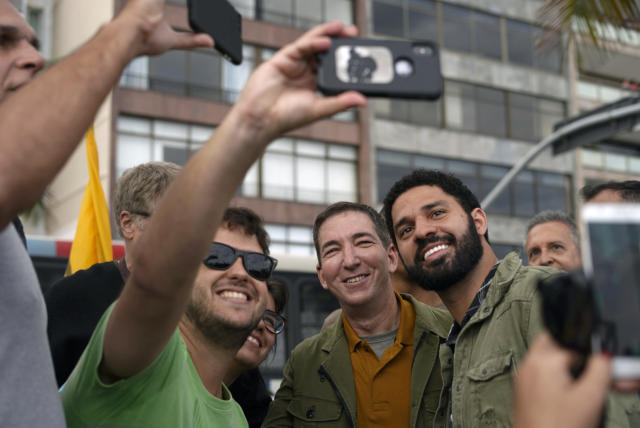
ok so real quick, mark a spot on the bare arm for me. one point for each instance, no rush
(43, 122)
(279, 96)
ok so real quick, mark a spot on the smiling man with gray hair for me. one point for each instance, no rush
(552, 240)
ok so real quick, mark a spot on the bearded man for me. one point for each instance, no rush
(440, 232)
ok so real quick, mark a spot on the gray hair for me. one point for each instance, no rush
(549, 216)
(139, 188)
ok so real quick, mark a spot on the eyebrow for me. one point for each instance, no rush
(15, 33)
(353, 237)
(404, 220)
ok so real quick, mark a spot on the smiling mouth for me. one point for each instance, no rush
(254, 341)
(355, 279)
(235, 296)
(435, 250)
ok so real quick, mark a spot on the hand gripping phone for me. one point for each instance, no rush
(220, 20)
(381, 68)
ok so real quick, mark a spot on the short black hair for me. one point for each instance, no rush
(628, 190)
(341, 207)
(280, 294)
(449, 183)
(250, 222)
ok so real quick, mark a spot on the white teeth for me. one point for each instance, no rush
(355, 279)
(233, 295)
(253, 340)
(434, 249)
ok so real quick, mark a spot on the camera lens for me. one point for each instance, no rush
(403, 67)
(424, 50)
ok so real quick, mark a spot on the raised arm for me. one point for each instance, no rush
(43, 122)
(279, 96)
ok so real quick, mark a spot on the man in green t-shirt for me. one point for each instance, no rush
(160, 352)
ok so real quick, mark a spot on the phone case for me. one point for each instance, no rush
(381, 68)
(221, 21)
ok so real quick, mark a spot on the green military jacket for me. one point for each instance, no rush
(318, 387)
(489, 347)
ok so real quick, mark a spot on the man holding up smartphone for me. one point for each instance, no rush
(148, 324)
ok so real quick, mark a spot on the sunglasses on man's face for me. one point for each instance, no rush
(273, 321)
(222, 256)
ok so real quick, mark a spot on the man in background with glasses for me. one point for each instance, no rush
(159, 354)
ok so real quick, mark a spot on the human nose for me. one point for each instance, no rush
(30, 58)
(547, 259)
(424, 228)
(237, 270)
(350, 257)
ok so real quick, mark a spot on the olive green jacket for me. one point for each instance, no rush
(318, 387)
(489, 347)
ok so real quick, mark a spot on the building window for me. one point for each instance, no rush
(290, 239)
(529, 193)
(141, 140)
(304, 171)
(475, 108)
(302, 13)
(425, 113)
(465, 29)
(198, 73)
(611, 156)
(34, 18)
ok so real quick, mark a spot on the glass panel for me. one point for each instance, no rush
(310, 148)
(548, 58)
(177, 155)
(168, 72)
(246, 8)
(457, 27)
(422, 26)
(520, 42)
(551, 192)
(486, 35)
(204, 75)
(634, 165)
(428, 163)
(277, 248)
(342, 182)
(234, 77)
(615, 162)
(315, 304)
(387, 19)
(136, 75)
(388, 175)
(343, 152)
(460, 106)
(388, 157)
(132, 151)
(250, 184)
(524, 197)
(425, 113)
(340, 10)
(278, 11)
(300, 234)
(310, 180)
(587, 90)
(281, 145)
(490, 112)
(277, 176)
(591, 158)
(277, 232)
(300, 250)
(491, 175)
(549, 113)
(134, 124)
(466, 172)
(168, 129)
(522, 116)
(201, 133)
(307, 13)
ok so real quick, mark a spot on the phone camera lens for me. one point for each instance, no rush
(423, 50)
(403, 67)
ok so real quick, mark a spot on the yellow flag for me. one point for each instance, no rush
(92, 243)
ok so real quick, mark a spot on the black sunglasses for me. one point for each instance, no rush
(222, 256)
(273, 321)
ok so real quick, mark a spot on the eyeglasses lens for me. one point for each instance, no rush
(257, 265)
(273, 322)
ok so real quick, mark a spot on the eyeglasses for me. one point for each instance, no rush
(273, 321)
(222, 256)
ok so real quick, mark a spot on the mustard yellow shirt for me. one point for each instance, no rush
(383, 386)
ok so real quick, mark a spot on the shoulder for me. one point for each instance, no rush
(324, 341)
(101, 274)
(522, 280)
(429, 318)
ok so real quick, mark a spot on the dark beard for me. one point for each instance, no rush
(217, 330)
(440, 275)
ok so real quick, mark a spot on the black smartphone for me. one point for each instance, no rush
(220, 20)
(381, 68)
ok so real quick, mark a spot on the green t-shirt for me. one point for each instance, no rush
(168, 393)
